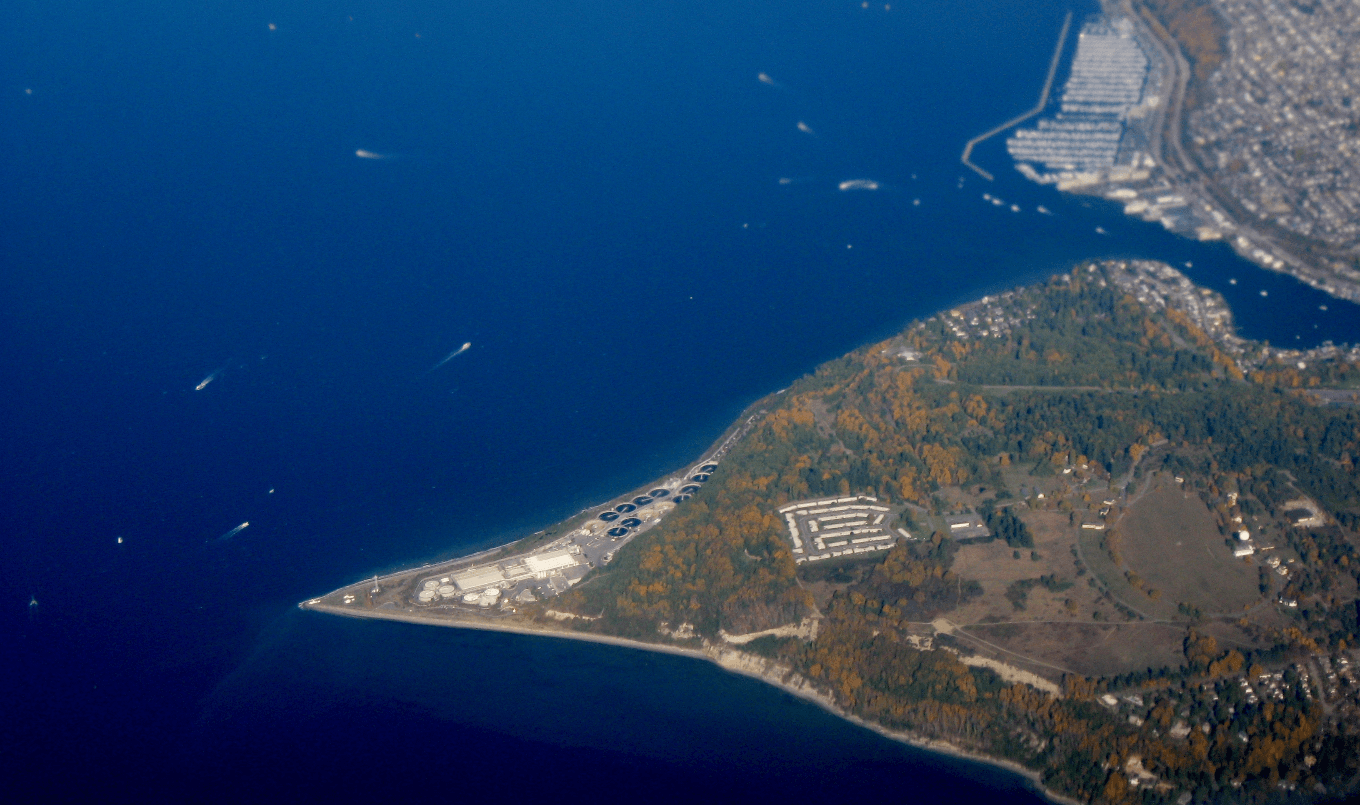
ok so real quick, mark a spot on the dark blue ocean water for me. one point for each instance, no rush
(589, 193)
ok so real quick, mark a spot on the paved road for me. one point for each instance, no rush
(1182, 170)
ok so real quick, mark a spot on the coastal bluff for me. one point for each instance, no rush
(956, 537)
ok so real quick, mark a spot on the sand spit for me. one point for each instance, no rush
(729, 659)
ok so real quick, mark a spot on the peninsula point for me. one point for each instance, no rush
(1082, 530)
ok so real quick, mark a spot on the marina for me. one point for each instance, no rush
(582, 225)
(1106, 84)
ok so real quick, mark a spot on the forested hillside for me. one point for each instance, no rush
(1072, 377)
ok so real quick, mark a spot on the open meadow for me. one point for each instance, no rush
(1170, 541)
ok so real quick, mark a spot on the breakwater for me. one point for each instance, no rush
(1038, 107)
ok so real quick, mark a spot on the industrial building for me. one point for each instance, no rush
(476, 578)
(551, 569)
(541, 564)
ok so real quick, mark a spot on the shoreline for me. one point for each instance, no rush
(728, 659)
(1267, 247)
(715, 450)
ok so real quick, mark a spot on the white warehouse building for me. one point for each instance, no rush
(552, 560)
(477, 578)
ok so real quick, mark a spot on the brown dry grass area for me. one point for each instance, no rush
(822, 591)
(1230, 635)
(1050, 635)
(1171, 541)
(992, 565)
(1091, 649)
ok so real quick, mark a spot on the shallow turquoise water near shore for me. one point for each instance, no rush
(587, 192)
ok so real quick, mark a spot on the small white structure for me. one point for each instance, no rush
(1243, 550)
(1243, 535)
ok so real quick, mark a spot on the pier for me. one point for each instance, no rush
(1015, 121)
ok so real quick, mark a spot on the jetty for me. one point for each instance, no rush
(1015, 121)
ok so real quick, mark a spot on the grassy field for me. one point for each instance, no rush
(1091, 649)
(994, 565)
(1048, 630)
(1112, 577)
(1171, 541)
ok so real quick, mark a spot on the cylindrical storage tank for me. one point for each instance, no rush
(426, 596)
(431, 584)
(447, 589)
(471, 598)
(491, 592)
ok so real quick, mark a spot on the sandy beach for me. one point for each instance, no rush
(729, 659)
